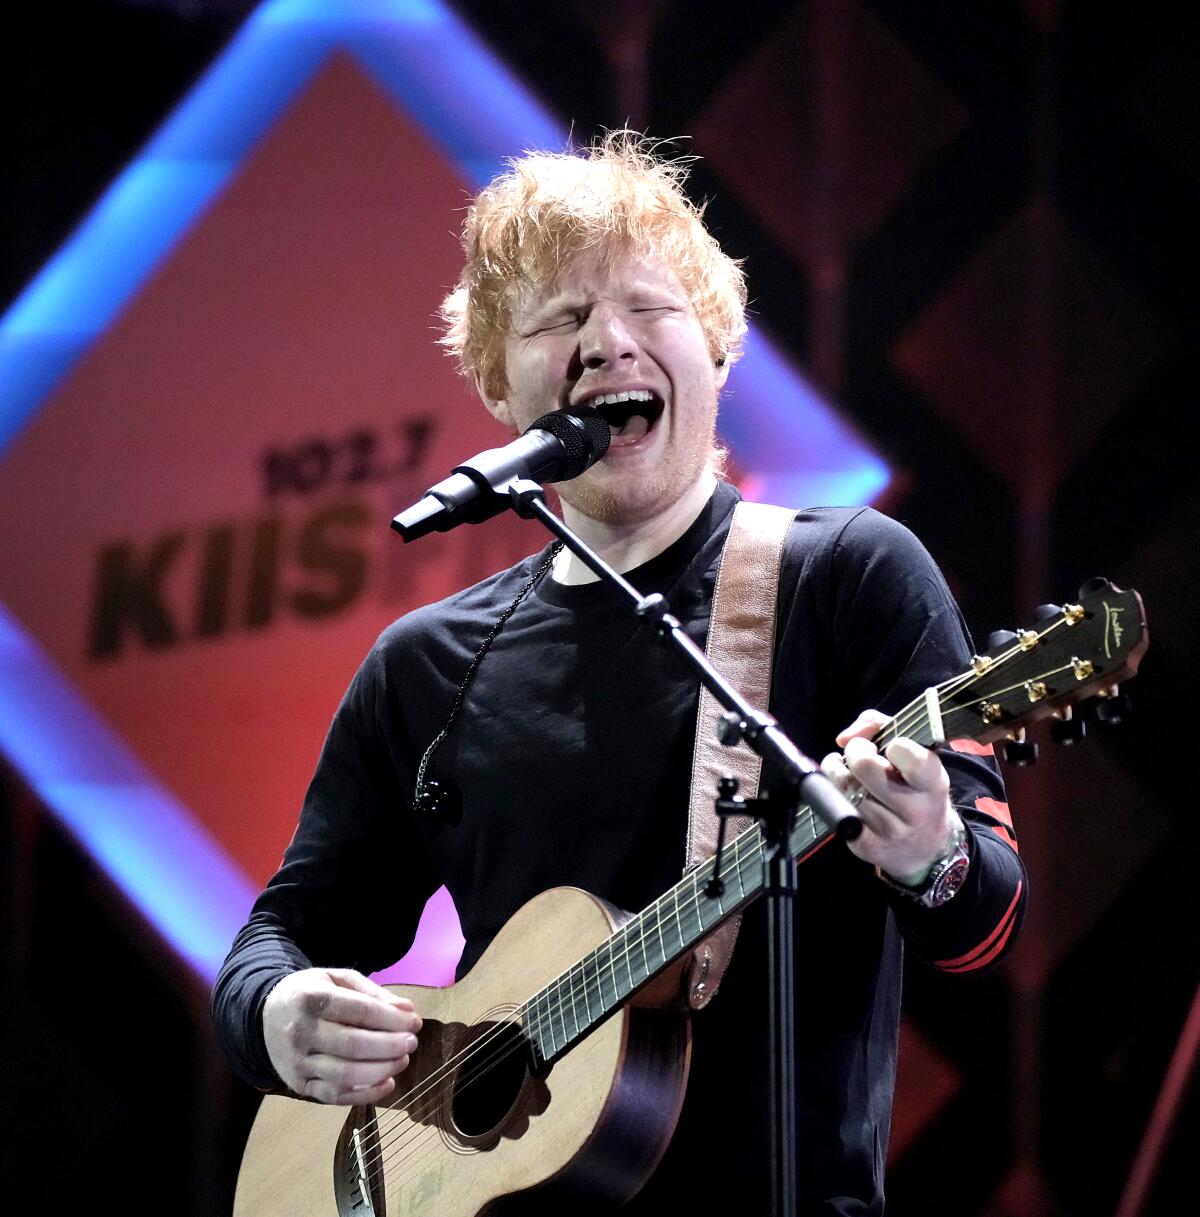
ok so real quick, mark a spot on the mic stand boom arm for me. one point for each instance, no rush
(793, 775)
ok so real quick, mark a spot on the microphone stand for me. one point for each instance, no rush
(794, 777)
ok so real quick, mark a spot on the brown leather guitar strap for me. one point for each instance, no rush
(741, 645)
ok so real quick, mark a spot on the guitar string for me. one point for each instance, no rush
(1041, 676)
(736, 859)
(752, 837)
(971, 676)
(893, 728)
(742, 841)
(635, 927)
(739, 852)
(485, 1065)
(901, 723)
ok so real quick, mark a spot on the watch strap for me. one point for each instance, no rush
(945, 878)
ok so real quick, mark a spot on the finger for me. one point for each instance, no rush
(328, 1091)
(864, 726)
(355, 1044)
(881, 821)
(857, 748)
(833, 766)
(343, 1076)
(366, 1095)
(880, 778)
(867, 766)
(919, 767)
(350, 979)
(357, 1009)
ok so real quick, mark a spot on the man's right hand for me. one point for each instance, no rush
(335, 1036)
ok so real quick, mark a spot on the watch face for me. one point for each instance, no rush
(951, 878)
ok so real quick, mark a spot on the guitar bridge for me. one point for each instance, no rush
(357, 1167)
(361, 1192)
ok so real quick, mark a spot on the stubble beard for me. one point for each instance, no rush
(594, 496)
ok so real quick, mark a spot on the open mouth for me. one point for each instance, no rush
(630, 414)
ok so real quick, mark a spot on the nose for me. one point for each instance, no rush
(604, 338)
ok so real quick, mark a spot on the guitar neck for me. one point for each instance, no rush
(1024, 676)
(569, 1007)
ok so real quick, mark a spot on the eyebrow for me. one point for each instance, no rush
(561, 303)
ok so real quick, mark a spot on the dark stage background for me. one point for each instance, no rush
(973, 225)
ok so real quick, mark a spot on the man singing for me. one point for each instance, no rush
(526, 734)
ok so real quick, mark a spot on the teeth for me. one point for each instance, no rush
(613, 399)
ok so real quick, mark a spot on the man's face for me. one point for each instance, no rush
(628, 332)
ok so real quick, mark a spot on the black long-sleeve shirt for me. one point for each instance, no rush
(572, 755)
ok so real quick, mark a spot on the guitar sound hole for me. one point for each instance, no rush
(490, 1080)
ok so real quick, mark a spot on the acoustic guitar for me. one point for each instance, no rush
(560, 1061)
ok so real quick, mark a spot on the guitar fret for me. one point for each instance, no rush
(694, 920)
(695, 915)
(544, 1024)
(738, 875)
(721, 900)
(558, 1012)
(584, 986)
(574, 1008)
(528, 1017)
(678, 919)
(646, 969)
(532, 1024)
(604, 998)
(628, 959)
(684, 914)
(552, 1036)
(697, 909)
(562, 1004)
(598, 958)
(609, 990)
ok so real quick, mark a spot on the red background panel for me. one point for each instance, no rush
(297, 317)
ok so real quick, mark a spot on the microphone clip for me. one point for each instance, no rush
(522, 494)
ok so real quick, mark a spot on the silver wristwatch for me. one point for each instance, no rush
(945, 877)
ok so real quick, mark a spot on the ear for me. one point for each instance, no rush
(498, 407)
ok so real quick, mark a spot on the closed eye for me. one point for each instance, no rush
(554, 327)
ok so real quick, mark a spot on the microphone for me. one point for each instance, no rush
(553, 448)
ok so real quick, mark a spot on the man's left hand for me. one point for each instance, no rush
(908, 819)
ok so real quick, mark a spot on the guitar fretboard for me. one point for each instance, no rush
(562, 1013)
(570, 1006)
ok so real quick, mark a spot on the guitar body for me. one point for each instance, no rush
(467, 1128)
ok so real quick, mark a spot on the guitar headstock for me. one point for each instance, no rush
(1073, 652)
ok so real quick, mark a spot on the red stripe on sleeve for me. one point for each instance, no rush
(983, 954)
(972, 746)
(1004, 828)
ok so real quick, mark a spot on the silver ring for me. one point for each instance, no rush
(856, 796)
